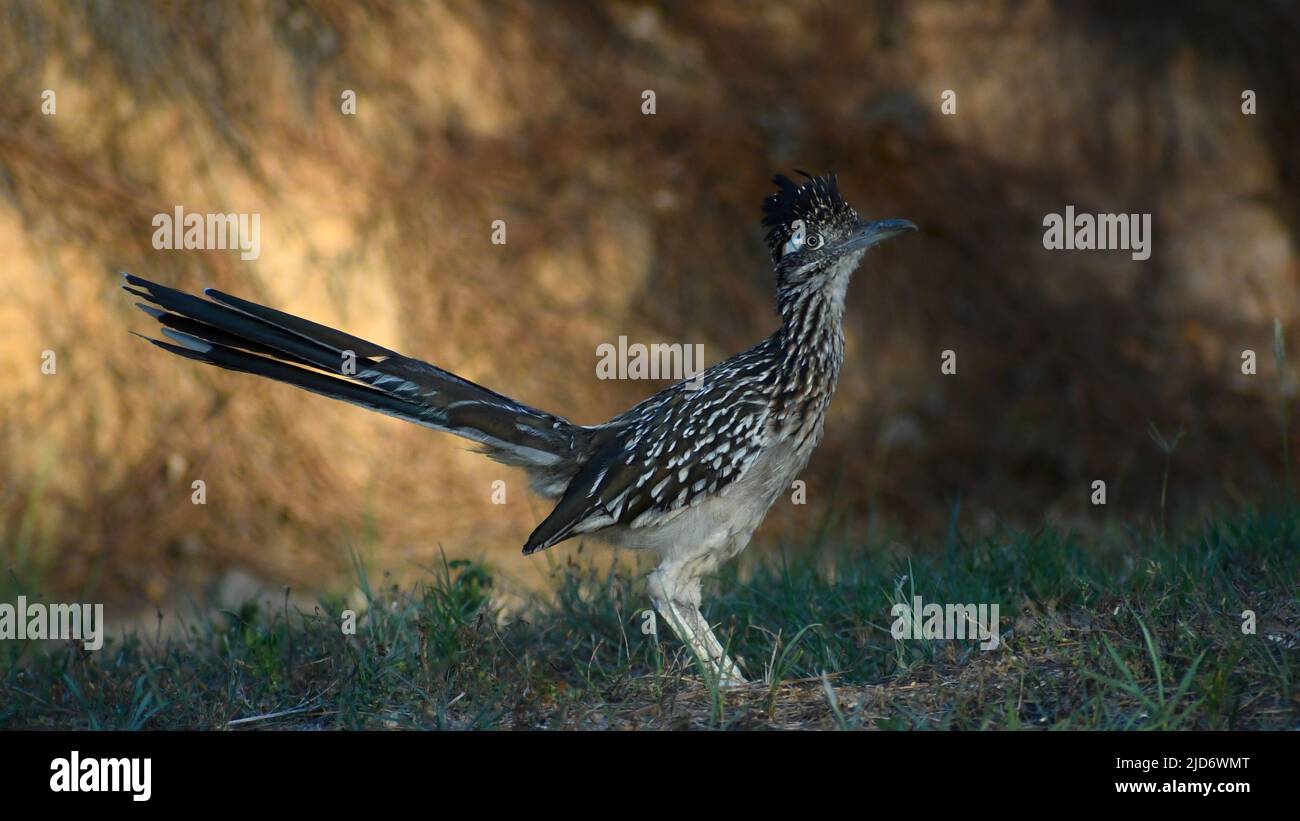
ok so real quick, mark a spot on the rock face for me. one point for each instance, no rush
(973, 120)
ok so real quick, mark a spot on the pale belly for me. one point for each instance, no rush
(718, 528)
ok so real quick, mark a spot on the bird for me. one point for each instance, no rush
(688, 474)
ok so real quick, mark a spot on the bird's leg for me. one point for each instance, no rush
(727, 668)
(679, 605)
(684, 626)
(689, 625)
(728, 671)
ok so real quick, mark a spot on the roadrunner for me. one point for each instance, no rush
(688, 473)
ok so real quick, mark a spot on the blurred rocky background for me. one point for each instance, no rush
(622, 223)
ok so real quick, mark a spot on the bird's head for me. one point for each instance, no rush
(815, 237)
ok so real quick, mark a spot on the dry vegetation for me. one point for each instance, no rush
(625, 224)
(1123, 633)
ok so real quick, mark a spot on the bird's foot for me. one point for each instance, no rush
(728, 673)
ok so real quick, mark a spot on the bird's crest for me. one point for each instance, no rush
(817, 202)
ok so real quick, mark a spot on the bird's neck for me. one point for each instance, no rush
(810, 344)
(811, 339)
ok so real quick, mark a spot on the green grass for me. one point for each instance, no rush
(1133, 633)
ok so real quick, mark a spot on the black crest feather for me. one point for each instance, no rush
(816, 201)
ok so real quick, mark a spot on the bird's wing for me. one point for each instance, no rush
(665, 454)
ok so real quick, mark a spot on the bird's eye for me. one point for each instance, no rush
(814, 241)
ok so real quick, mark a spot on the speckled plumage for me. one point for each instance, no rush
(689, 473)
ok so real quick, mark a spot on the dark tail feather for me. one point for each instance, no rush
(239, 335)
(192, 347)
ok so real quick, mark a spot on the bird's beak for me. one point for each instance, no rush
(870, 233)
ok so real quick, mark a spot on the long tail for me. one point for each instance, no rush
(234, 333)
